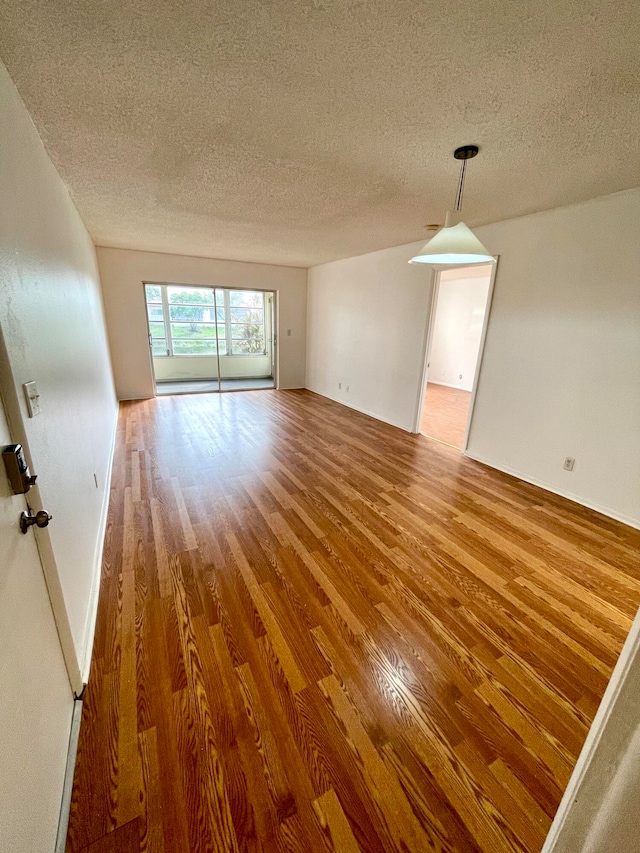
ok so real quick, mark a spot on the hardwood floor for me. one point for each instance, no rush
(445, 414)
(319, 633)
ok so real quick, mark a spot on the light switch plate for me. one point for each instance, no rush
(33, 398)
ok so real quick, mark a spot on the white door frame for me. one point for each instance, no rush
(151, 363)
(273, 331)
(426, 351)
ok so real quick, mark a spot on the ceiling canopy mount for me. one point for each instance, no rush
(466, 152)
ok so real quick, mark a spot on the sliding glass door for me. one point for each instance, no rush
(210, 339)
(246, 337)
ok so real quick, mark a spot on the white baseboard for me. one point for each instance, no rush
(92, 609)
(374, 415)
(448, 385)
(578, 499)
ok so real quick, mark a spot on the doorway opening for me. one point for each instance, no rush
(210, 339)
(459, 313)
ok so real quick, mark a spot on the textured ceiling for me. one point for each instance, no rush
(300, 131)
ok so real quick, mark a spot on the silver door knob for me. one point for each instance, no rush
(40, 519)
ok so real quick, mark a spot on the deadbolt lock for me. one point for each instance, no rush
(40, 519)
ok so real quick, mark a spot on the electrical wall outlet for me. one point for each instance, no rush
(347, 389)
(569, 462)
(339, 386)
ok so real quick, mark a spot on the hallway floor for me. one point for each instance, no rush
(445, 414)
(317, 632)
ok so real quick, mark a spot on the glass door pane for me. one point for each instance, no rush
(182, 333)
(245, 355)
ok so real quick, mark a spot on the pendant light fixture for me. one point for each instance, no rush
(455, 245)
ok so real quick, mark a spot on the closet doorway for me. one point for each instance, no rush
(459, 312)
(210, 339)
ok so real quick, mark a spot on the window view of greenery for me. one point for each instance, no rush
(246, 321)
(194, 315)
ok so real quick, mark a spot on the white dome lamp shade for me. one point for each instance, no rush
(455, 245)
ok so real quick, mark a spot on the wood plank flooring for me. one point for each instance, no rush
(319, 633)
(445, 414)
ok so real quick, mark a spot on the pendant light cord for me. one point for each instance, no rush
(460, 186)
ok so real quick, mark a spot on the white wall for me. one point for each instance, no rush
(123, 272)
(561, 368)
(366, 327)
(457, 329)
(52, 319)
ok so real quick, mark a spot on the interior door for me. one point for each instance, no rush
(36, 700)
